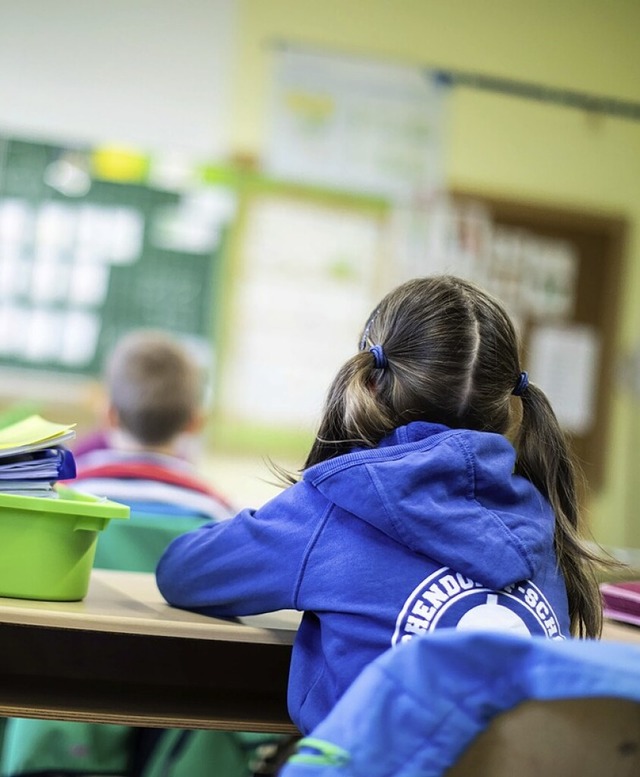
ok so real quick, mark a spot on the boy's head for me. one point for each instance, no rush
(155, 388)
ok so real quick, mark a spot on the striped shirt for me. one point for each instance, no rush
(149, 482)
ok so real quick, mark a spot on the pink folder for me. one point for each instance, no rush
(622, 601)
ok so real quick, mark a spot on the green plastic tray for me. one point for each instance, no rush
(47, 546)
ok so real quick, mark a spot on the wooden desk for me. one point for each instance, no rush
(621, 632)
(124, 656)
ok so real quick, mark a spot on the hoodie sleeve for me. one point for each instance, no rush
(248, 564)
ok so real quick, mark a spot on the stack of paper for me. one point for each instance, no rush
(33, 457)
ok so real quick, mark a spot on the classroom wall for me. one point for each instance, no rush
(151, 75)
(497, 144)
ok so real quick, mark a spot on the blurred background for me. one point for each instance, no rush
(253, 175)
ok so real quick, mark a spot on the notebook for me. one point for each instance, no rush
(32, 457)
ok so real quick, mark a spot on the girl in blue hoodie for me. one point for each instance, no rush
(439, 493)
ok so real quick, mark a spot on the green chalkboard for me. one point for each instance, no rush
(85, 257)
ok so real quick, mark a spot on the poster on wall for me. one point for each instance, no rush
(355, 124)
(534, 276)
(563, 361)
(306, 283)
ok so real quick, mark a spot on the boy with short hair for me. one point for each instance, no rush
(154, 417)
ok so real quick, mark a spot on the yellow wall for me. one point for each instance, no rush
(499, 144)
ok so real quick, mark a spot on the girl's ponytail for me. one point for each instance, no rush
(352, 413)
(544, 458)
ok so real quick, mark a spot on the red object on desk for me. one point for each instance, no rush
(622, 601)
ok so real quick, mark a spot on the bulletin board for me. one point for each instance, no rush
(558, 270)
(92, 245)
(306, 269)
(308, 265)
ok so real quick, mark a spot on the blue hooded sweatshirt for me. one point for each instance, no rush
(429, 530)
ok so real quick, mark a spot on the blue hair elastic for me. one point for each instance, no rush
(521, 384)
(380, 359)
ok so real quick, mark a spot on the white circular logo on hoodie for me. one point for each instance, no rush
(447, 599)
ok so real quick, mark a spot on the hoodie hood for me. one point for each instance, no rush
(448, 494)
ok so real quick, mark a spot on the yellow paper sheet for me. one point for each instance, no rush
(33, 430)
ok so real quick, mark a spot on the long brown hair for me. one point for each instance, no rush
(453, 357)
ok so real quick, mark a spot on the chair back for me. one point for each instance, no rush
(137, 544)
(589, 737)
(456, 704)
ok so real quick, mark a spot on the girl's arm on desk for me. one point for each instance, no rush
(250, 564)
